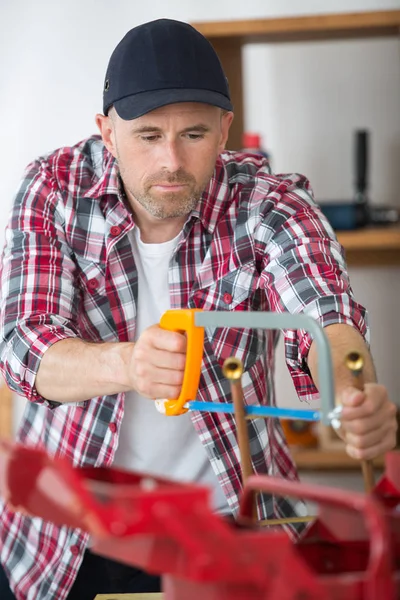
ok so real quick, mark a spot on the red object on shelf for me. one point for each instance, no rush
(251, 140)
(350, 551)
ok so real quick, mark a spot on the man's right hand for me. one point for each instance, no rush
(158, 363)
(73, 370)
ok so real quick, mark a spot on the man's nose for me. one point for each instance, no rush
(171, 156)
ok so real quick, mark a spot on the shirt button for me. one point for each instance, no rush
(115, 230)
(74, 550)
(93, 284)
(227, 298)
(112, 427)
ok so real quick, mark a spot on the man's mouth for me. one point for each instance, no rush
(170, 187)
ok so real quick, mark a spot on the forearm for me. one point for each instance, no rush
(368, 419)
(342, 339)
(72, 370)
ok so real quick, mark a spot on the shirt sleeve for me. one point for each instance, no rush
(38, 304)
(304, 271)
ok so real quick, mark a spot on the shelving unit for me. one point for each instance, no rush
(375, 246)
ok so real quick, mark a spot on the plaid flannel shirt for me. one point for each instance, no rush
(255, 242)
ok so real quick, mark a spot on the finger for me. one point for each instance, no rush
(358, 422)
(351, 397)
(371, 405)
(375, 393)
(388, 442)
(149, 375)
(163, 339)
(370, 439)
(365, 411)
(167, 377)
(155, 383)
(160, 359)
(161, 391)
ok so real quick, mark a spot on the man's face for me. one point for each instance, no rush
(166, 157)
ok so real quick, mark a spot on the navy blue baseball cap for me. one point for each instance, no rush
(163, 62)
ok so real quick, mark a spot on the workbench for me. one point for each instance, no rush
(129, 597)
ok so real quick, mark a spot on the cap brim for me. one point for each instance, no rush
(137, 105)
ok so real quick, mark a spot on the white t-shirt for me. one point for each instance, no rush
(149, 441)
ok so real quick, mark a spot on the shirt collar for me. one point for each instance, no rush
(213, 202)
(108, 181)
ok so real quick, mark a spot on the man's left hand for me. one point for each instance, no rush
(368, 421)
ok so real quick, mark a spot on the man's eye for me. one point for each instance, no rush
(150, 138)
(195, 136)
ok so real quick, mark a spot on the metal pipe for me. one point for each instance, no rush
(355, 363)
(233, 370)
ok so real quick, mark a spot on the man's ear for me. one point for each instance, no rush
(226, 122)
(106, 128)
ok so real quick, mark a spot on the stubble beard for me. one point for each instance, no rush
(167, 205)
(170, 206)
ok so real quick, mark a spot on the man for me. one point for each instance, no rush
(107, 235)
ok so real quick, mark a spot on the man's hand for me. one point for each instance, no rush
(153, 366)
(368, 421)
(157, 363)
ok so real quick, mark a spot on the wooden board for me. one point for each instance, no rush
(328, 460)
(230, 56)
(372, 246)
(129, 597)
(314, 27)
(371, 238)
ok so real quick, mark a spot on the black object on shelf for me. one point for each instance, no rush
(359, 212)
(361, 172)
(344, 216)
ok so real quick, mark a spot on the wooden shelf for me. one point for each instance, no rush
(371, 238)
(319, 460)
(372, 245)
(339, 25)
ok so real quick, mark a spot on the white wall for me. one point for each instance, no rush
(307, 103)
(306, 99)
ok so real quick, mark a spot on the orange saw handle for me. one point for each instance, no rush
(183, 321)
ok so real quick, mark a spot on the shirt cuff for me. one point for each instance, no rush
(298, 343)
(25, 355)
